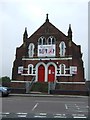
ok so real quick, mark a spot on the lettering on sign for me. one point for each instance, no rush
(73, 69)
(20, 69)
(46, 50)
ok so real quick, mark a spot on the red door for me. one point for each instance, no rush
(41, 73)
(51, 73)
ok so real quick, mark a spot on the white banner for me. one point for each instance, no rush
(73, 69)
(20, 69)
(46, 50)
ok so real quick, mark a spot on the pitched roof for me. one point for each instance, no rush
(47, 29)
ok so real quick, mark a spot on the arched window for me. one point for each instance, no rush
(62, 49)
(31, 50)
(30, 69)
(62, 69)
(51, 40)
(42, 41)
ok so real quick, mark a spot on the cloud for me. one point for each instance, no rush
(18, 14)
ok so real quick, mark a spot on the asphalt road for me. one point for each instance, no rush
(44, 107)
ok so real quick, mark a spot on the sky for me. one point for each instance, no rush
(18, 14)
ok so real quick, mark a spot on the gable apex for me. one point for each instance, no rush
(48, 28)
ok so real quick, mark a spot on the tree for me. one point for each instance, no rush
(5, 81)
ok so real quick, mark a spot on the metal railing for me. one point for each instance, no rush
(29, 85)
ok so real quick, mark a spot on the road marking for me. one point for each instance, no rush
(75, 107)
(6, 113)
(79, 116)
(43, 113)
(59, 115)
(38, 116)
(3, 115)
(21, 113)
(35, 106)
(66, 106)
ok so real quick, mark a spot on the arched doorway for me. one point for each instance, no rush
(51, 73)
(41, 73)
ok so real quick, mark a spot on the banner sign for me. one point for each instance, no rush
(20, 69)
(73, 69)
(46, 50)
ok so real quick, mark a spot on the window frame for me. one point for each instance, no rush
(30, 72)
(51, 42)
(31, 50)
(64, 66)
(42, 40)
(62, 47)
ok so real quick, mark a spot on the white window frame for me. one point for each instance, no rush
(62, 47)
(30, 65)
(42, 38)
(31, 50)
(51, 40)
(63, 68)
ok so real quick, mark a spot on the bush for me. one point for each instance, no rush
(40, 87)
(5, 81)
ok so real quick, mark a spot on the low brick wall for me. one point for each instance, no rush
(69, 92)
(79, 87)
(62, 89)
(18, 87)
(18, 90)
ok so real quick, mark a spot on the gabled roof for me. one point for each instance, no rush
(47, 29)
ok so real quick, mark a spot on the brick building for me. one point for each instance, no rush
(49, 56)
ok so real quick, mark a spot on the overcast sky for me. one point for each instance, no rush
(18, 14)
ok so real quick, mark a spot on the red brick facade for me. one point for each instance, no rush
(50, 56)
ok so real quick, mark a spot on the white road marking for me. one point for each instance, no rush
(3, 115)
(59, 115)
(66, 106)
(75, 107)
(21, 113)
(35, 106)
(43, 113)
(79, 116)
(38, 116)
(6, 113)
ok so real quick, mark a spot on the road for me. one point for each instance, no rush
(44, 107)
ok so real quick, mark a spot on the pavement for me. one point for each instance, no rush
(39, 94)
